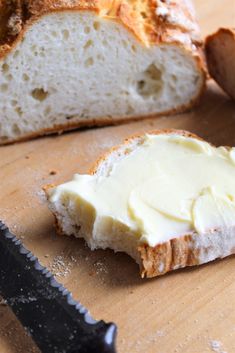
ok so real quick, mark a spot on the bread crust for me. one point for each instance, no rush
(218, 60)
(177, 252)
(142, 18)
(171, 255)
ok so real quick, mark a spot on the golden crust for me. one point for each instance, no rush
(220, 54)
(173, 254)
(141, 17)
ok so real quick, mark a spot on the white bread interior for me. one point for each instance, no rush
(73, 68)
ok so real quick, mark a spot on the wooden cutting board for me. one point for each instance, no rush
(188, 311)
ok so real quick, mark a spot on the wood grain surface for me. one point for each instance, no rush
(188, 311)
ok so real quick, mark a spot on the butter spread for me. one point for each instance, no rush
(168, 186)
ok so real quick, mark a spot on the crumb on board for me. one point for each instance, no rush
(100, 267)
(216, 346)
(53, 172)
(61, 265)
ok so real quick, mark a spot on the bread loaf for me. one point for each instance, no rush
(66, 64)
(220, 54)
(166, 198)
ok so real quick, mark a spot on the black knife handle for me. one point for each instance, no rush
(56, 322)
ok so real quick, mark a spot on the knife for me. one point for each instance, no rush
(56, 322)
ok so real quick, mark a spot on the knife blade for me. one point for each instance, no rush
(56, 322)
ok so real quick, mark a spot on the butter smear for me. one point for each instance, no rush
(167, 186)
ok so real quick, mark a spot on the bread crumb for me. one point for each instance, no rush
(73, 258)
(160, 333)
(41, 196)
(14, 24)
(59, 268)
(53, 172)
(100, 267)
(61, 265)
(216, 346)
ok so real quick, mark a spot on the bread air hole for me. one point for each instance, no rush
(54, 34)
(34, 50)
(39, 94)
(3, 87)
(19, 111)
(14, 103)
(47, 111)
(25, 77)
(89, 62)
(105, 43)
(9, 77)
(87, 29)
(65, 34)
(150, 82)
(100, 57)
(96, 25)
(133, 47)
(88, 44)
(15, 129)
(16, 54)
(5, 68)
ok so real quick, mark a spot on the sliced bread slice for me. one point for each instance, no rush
(220, 54)
(66, 64)
(166, 198)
